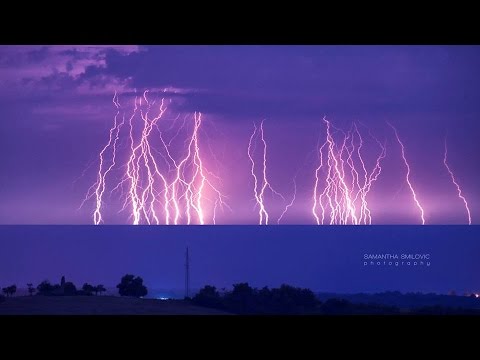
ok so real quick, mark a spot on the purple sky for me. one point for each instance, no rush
(56, 110)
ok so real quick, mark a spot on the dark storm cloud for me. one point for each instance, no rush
(26, 70)
(287, 80)
(271, 81)
(38, 55)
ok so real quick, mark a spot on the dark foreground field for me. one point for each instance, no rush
(99, 305)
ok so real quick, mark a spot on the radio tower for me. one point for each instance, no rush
(187, 274)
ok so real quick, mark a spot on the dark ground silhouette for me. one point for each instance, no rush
(242, 299)
(99, 305)
(408, 300)
(289, 300)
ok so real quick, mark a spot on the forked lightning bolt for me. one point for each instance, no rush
(454, 181)
(407, 177)
(163, 186)
(342, 181)
(260, 186)
(290, 203)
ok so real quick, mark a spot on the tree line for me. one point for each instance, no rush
(130, 285)
(285, 300)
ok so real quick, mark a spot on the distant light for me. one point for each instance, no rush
(477, 295)
(163, 298)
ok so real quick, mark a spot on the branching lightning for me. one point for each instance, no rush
(164, 184)
(290, 203)
(261, 186)
(454, 181)
(407, 177)
(344, 178)
(159, 166)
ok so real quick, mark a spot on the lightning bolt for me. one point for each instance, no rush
(377, 170)
(407, 178)
(261, 212)
(315, 187)
(259, 190)
(456, 184)
(290, 203)
(101, 176)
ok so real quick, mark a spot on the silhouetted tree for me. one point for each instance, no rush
(264, 299)
(241, 299)
(99, 289)
(62, 281)
(31, 289)
(88, 289)
(208, 296)
(45, 288)
(292, 300)
(337, 306)
(132, 286)
(10, 290)
(69, 289)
